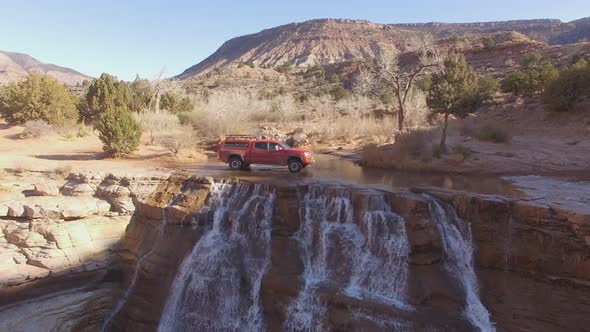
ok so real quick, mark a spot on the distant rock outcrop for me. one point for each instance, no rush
(14, 66)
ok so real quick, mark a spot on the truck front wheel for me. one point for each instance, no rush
(235, 163)
(295, 165)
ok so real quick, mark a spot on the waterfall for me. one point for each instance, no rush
(367, 254)
(458, 260)
(217, 287)
(140, 261)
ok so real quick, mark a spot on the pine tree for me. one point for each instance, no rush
(104, 93)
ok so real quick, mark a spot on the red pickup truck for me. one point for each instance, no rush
(241, 153)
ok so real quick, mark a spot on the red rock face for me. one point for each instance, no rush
(530, 260)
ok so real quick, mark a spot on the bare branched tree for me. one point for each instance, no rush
(391, 73)
(364, 82)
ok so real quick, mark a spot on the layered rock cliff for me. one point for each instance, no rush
(58, 250)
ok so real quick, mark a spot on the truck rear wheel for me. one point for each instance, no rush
(235, 163)
(295, 165)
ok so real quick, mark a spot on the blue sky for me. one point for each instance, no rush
(129, 37)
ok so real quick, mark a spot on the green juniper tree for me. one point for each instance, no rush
(38, 97)
(104, 93)
(455, 91)
(120, 134)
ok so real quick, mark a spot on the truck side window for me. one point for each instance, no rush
(261, 146)
(273, 146)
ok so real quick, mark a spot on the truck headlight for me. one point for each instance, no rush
(307, 154)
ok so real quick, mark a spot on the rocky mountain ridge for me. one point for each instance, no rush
(329, 41)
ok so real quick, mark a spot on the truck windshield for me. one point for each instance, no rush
(285, 146)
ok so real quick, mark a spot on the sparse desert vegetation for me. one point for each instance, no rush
(396, 101)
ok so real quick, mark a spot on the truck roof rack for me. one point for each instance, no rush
(240, 137)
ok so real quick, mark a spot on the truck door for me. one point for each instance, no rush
(260, 153)
(276, 154)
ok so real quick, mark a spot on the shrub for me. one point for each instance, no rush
(487, 87)
(120, 134)
(462, 150)
(142, 95)
(515, 83)
(334, 78)
(76, 131)
(175, 103)
(36, 129)
(533, 35)
(418, 114)
(489, 43)
(570, 85)
(157, 124)
(493, 134)
(532, 60)
(410, 146)
(19, 168)
(284, 68)
(532, 82)
(61, 172)
(83, 130)
(437, 151)
(38, 97)
(339, 93)
(414, 143)
(179, 139)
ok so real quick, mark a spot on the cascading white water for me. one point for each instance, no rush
(369, 255)
(217, 287)
(381, 269)
(140, 261)
(458, 260)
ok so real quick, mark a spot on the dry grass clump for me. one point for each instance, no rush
(156, 124)
(76, 131)
(181, 138)
(415, 143)
(165, 129)
(19, 168)
(462, 150)
(348, 128)
(36, 129)
(411, 145)
(417, 113)
(61, 172)
(487, 133)
(493, 134)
